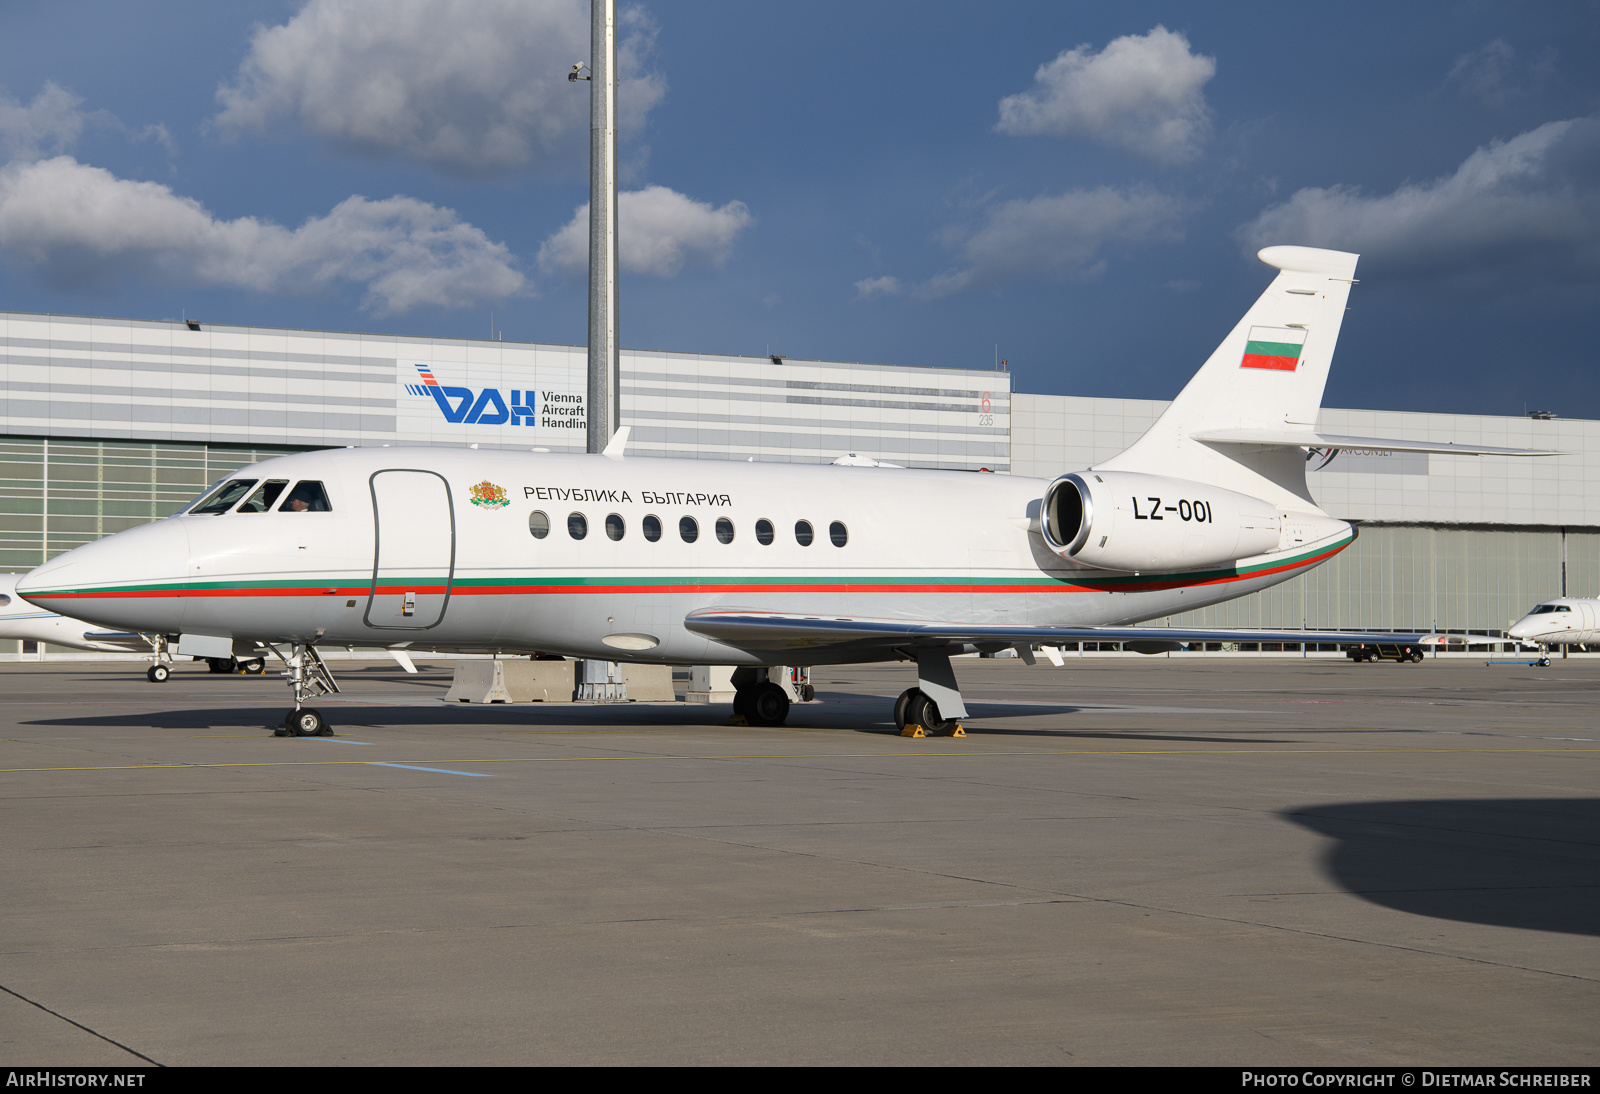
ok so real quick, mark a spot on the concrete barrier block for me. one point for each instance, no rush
(478, 682)
(539, 681)
(511, 682)
(648, 683)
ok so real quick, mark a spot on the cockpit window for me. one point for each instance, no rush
(306, 497)
(265, 495)
(1544, 609)
(223, 497)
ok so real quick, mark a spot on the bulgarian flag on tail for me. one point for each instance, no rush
(1274, 347)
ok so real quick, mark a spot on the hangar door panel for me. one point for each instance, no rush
(414, 551)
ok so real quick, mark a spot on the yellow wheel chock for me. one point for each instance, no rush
(914, 730)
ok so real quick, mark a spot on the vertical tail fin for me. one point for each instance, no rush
(1267, 376)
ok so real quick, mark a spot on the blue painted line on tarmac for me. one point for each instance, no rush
(440, 770)
(336, 740)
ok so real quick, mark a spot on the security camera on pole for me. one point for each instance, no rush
(602, 679)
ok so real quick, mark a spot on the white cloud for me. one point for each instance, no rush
(1140, 93)
(53, 122)
(877, 286)
(1534, 197)
(659, 231)
(1496, 76)
(1056, 236)
(467, 86)
(74, 224)
(49, 124)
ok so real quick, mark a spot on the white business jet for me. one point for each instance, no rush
(1564, 621)
(695, 562)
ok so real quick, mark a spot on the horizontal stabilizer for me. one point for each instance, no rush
(749, 629)
(1307, 438)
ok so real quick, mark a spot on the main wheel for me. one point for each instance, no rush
(768, 705)
(741, 703)
(220, 666)
(157, 674)
(255, 666)
(902, 707)
(925, 713)
(808, 693)
(306, 722)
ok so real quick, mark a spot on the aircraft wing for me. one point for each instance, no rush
(751, 629)
(1310, 438)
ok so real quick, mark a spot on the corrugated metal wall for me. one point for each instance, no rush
(1419, 577)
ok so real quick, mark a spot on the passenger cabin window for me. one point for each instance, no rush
(223, 497)
(538, 525)
(652, 527)
(577, 525)
(764, 534)
(264, 497)
(615, 528)
(308, 496)
(689, 529)
(724, 530)
(803, 535)
(838, 533)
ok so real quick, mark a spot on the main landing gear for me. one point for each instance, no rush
(250, 666)
(933, 708)
(916, 715)
(758, 699)
(309, 677)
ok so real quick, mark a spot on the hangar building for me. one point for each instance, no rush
(109, 423)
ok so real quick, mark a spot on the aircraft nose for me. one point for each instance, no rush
(1522, 628)
(132, 580)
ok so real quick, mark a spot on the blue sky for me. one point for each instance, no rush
(1081, 184)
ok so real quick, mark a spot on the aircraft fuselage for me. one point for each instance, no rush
(436, 549)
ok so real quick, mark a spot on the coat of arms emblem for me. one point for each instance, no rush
(489, 496)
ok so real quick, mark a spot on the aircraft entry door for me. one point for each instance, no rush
(414, 550)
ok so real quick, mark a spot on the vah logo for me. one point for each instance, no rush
(462, 405)
(489, 496)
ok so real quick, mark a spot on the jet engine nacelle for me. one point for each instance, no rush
(1123, 520)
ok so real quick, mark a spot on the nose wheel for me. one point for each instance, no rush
(158, 671)
(308, 677)
(304, 722)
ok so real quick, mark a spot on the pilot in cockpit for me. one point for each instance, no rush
(306, 497)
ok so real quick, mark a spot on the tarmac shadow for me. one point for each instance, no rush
(1510, 862)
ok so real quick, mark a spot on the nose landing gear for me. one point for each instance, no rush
(159, 670)
(309, 677)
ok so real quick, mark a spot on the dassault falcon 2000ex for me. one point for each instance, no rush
(1564, 621)
(695, 562)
